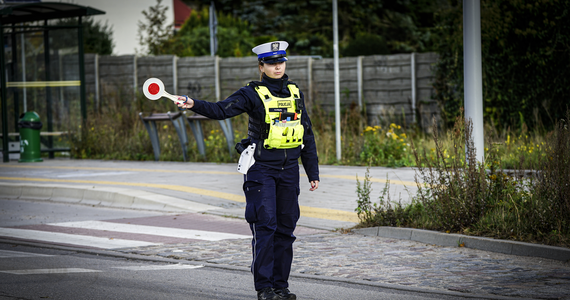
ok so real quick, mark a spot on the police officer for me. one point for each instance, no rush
(281, 130)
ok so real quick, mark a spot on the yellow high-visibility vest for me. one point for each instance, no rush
(283, 117)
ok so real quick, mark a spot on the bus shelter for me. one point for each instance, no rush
(42, 70)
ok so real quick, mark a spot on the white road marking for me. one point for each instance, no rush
(73, 175)
(48, 271)
(153, 230)
(11, 254)
(161, 267)
(74, 239)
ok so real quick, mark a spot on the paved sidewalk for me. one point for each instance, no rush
(413, 260)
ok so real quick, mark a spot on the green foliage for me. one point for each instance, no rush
(114, 132)
(455, 190)
(383, 213)
(525, 60)
(399, 26)
(364, 208)
(193, 39)
(98, 38)
(385, 147)
(366, 44)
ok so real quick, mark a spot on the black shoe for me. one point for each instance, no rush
(285, 294)
(267, 294)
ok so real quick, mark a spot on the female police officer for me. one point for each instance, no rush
(281, 130)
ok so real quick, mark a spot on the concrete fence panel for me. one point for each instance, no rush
(394, 88)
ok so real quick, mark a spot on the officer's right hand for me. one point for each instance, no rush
(188, 104)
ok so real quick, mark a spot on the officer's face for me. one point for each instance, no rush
(275, 71)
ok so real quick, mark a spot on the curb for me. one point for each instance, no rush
(473, 242)
(101, 196)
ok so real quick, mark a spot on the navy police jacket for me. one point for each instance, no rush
(246, 100)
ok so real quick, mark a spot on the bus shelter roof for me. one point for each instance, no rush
(28, 12)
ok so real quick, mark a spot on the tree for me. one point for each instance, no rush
(193, 39)
(525, 57)
(154, 32)
(403, 25)
(97, 38)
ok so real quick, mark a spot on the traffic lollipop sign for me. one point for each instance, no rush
(153, 89)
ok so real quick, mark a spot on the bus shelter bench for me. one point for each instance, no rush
(178, 123)
(195, 125)
(177, 120)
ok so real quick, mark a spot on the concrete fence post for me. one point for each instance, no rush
(217, 77)
(96, 71)
(310, 77)
(175, 74)
(135, 77)
(359, 79)
(414, 87)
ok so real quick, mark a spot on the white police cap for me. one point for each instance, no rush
(271, 52)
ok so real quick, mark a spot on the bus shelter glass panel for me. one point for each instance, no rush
(42, 69)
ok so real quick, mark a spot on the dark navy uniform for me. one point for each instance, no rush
(271, 185)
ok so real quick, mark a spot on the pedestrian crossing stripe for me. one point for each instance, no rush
(49, 271)
(113, 243)
(160, 267)
(152, 230)
(72, 239)
(80, 270)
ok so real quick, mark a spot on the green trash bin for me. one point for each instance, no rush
(30, 147)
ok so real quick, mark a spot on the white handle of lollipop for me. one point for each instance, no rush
(153, 89)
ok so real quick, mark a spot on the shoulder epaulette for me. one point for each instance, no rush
(255, 83)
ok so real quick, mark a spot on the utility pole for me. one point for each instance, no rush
(472, 74)
(336, 82)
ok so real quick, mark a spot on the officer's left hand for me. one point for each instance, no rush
(314, 185)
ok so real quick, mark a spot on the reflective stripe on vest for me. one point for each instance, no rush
(285, 128)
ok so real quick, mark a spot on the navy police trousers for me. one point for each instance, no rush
(272, 211)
